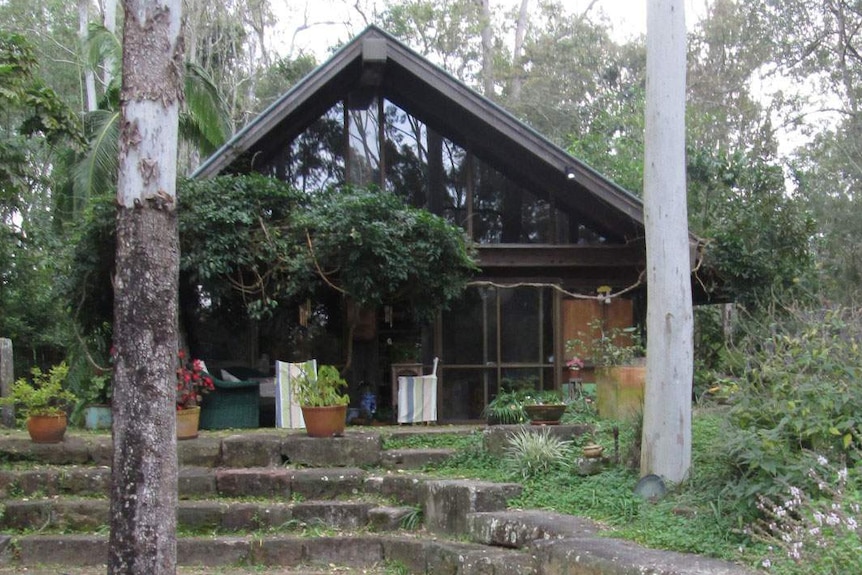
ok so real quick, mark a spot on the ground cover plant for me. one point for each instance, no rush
(774, 482)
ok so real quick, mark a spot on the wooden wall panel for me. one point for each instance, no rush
(579, 314)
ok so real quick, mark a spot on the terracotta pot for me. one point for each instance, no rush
(548, 414)
(188, 421)
(47, 428)
(326, 421)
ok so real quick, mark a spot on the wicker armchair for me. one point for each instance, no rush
(232, 404)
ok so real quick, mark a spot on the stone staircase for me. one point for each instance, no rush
(279, 499)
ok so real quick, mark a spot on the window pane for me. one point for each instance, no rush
(465, 342)
(464, 393)
(520, 333)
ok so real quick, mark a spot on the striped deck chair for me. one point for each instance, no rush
(417, 397)
(287, 411)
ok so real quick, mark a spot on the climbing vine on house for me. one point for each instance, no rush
(257, 239)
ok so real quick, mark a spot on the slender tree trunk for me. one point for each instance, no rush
(144, 481)
(487, 52)
(89, 76)
(666, 446)
(518, 51)
(109, 20)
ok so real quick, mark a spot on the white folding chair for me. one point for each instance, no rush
(417, 397)
(287, 411)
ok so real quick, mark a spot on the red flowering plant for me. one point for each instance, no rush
(192, 382)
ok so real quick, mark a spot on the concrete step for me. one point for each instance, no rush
(207, 482)
(90, 515)
(414, 458)
(219, 449)
(520, 529)
(417, 555)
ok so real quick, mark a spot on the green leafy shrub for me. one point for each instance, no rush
(814, 534)
(800, 391)
(531, 453)
(322, 390)
(506, 408)
(44, 396)
(608, 347)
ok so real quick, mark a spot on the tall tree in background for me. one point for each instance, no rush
(666, 443)
(144, 480)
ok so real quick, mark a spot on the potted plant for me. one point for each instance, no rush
(618, 357)
(96, 402)
(43, 402)
(507, 408)
(575, 365)
(323, 404)
(544, 408)
(192, 382)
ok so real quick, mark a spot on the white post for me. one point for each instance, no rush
(7, 376)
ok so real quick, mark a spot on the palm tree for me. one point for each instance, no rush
(203, 120)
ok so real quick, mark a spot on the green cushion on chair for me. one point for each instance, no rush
(232, 404)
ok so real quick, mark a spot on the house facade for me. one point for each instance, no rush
(559, 246)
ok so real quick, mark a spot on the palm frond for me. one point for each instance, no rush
(204, 119)
(102, 47)
(97, 170)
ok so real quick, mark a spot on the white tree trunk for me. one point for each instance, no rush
(109, 21)
(666, 448)
(487, 52)
(518, 51)
(89, 76)
(144, 473)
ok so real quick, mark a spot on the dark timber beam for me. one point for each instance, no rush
(560, 256)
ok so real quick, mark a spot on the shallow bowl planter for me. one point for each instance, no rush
(545, 414)
(593, 451)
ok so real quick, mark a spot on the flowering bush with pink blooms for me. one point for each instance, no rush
(192, 382)
(575, 364)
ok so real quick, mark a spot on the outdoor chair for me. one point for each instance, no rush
(417, 397)
(231, 404)
(287, 410)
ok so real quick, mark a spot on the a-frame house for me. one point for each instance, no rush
(547, 226)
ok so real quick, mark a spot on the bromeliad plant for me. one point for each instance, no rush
(546, 397)
(506, 408)
(192, 382)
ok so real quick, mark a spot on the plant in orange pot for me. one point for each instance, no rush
(323, 404)
(192, 382)
(43, 402)
(618, 356)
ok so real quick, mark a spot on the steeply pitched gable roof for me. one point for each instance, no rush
(375, 61)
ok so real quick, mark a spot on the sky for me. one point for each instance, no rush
(331, 21)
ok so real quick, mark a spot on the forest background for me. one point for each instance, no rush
(773, 162)
(772, 126)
